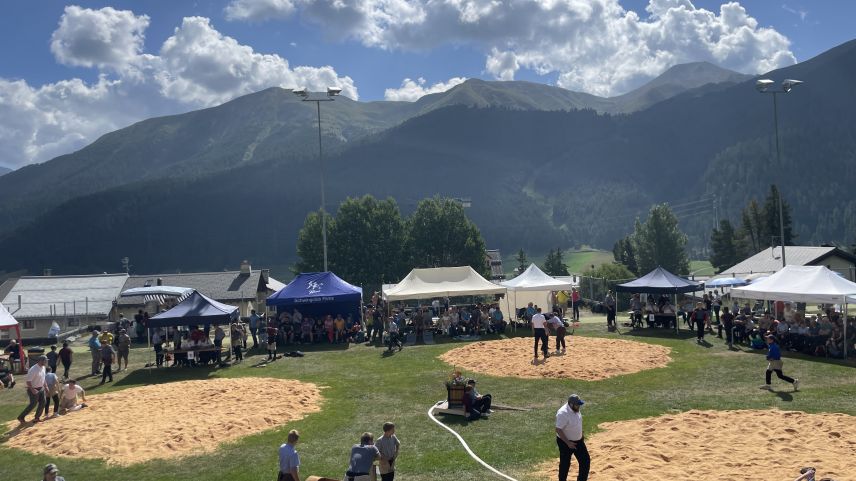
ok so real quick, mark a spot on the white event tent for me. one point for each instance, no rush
(533, 285)
(803, 284)
(441, 282)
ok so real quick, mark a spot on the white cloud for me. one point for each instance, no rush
(102, 38)
(196, 67)
(596, 46)
(258, 10)
(412, 90)
(202, 66)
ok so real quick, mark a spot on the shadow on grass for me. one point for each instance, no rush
(167, 374)
(659, 333)
(784, 396)
(800, 356)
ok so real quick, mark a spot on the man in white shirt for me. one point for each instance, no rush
(539, 324)
(69, 394)
(35, 390)
(569, 438)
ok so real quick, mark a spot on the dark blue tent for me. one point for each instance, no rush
(659, 281)
(196, 309)
(318, 293)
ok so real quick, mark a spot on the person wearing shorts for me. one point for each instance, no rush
(774, 364)
(123, 348)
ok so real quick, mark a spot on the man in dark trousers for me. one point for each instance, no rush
(569, 438)
(774, 358)
(539, 331)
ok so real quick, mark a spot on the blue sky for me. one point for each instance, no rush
(70, 72)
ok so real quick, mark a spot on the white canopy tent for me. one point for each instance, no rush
(442, 282)
(803, 284)
(533, 285)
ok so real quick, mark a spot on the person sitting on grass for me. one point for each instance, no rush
(756, 341)
(482, 402)
(362, 459)
(473, 413)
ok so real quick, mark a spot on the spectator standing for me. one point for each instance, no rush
(51, 473)
(539, 332)
(123, 347)
(363, 456)
(609, 302)
(388, 445)
(271, 342)
(700, 317)
(139, 327)
(728, 324)
(65, 357)
(95, 350)
(108, 357)
(575, 303)
(219, 335)
(157, 343)
(289, 460)
(562, 301)
(237, 339)
(52, 356)
(52, 389)
(570, 439)
(558, 327)
(774, 359)
(716, 303)
(35, 390)
(254, 327)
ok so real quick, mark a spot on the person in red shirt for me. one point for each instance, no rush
(575, 303)
(271, 332)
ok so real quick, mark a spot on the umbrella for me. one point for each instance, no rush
(726, 282)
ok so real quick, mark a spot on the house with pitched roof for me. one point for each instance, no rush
(246, 288)
(72, 302)
(769, 261)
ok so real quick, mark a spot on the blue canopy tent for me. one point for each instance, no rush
(660, 281)
(318, 293)
(195, 309)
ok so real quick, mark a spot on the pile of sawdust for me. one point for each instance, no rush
(170, 420)
(720, 445)
(587, 358)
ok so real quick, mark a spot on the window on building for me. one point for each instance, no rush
(28, 324)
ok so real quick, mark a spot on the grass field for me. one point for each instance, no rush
(364, 388)
(702, 268)
(576, 260)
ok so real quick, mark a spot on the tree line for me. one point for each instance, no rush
(370, 243)
(758, 230)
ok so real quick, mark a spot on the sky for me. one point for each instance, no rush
(71, 72)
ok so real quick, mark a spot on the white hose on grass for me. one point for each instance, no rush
(466, 447)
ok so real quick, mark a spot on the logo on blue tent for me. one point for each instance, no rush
(313, 287)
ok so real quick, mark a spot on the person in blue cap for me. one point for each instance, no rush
(570, 439)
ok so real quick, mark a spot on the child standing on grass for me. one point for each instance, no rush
(388, 445)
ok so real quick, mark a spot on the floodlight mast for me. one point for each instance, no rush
(305, 96)
(763, 86)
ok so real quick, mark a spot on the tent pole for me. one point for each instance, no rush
(20, 348)
(512, 317)
(677, 329)
(845, 328)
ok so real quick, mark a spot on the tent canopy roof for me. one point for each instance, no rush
(195, 309)
(800, 284)
(534, 279)
(659, 281)
(6, 319)
(315, 288)
(442, 281)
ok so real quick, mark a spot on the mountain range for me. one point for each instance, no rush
(543, 166)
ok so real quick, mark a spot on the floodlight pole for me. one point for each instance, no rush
(763, 86)
(330, 96)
